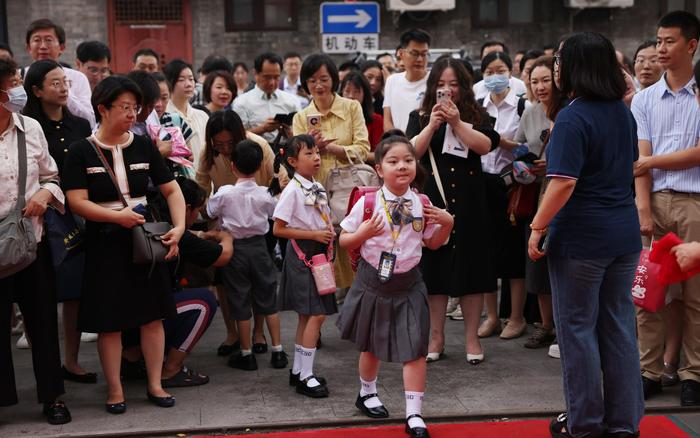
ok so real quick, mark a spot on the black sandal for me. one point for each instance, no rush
(185, 377)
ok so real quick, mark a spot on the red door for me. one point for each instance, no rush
(162, 25)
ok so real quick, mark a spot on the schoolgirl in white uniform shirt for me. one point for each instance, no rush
(302, 214)
(386, 312)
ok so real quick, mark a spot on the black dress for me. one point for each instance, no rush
(59, 135)
(117, 294)
(466, 264)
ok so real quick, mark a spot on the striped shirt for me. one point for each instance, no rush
(671, 122)
(169, 121)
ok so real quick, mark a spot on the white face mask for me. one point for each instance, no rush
(17, 98)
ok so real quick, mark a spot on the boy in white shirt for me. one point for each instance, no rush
(404, 92)
(244, 210)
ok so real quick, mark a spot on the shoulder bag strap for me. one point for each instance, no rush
(109, 170)
(436, 174)
(22, 159)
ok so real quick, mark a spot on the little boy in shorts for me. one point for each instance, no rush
(250, 278)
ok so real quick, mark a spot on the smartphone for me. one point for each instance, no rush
(444, 95)
(140, 209)
(543, 244)
(313, 121)
(285, 119)
(164, 135)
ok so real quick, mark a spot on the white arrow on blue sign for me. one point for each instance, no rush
(349, 18)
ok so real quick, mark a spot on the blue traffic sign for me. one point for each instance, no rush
(358, 17)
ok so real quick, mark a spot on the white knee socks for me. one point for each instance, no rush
(414, 405)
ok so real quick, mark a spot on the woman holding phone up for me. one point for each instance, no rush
(450, 135)
(338, 127)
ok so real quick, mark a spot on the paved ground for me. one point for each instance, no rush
(512, 382)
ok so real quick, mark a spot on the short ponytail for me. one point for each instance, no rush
(290, 149)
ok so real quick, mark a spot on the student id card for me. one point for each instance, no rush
(387, 263)
(452, 145)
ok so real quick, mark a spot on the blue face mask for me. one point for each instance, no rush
(17, 98)
(496, 83)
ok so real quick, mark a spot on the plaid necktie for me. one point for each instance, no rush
(400, 211)
(316, 196)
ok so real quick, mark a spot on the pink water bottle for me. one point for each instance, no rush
(322, 271)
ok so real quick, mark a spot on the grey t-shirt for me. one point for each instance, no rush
(532, 123)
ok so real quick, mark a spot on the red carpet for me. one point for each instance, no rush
(651, 427)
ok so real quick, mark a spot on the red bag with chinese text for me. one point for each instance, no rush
(648, 292)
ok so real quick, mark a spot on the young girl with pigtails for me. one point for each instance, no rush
(302, 215)
(386, 313)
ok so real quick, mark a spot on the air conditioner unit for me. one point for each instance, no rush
(582, 4)
(420, 5)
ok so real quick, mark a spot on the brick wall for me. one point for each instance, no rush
(84, 20)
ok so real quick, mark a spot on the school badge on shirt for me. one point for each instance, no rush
(417, 224)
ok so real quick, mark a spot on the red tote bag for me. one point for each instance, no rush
(648, 292)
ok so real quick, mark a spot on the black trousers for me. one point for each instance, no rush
(34, 290)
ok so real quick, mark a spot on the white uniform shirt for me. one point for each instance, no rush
(255, 107)
(243, 209)
(507, 121)
(409, 244)
(42, 172)
(402, 97)
(480, 91)
(292, 209)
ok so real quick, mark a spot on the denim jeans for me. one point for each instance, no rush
(595, 320)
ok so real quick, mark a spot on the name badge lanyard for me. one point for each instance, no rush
(326, 220)
(387, 260)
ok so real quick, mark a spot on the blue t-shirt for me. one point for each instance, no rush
(595, 143)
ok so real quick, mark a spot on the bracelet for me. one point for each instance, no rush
(540, 230)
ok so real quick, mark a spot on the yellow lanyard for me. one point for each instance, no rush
(324, 215)
(394, 233)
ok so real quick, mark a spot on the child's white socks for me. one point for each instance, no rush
(414, 405)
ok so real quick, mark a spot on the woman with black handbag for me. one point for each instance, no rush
(456, 183)
(119, 294)
(47, 91)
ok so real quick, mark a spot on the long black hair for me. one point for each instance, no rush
(35, 78)
(360, 81)
(225, 120)
(291, 149)
(469, 110)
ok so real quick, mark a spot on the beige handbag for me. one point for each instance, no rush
(340, 182)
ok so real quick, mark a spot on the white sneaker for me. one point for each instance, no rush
(554, 351)
(23, 342)
(457, 315)
(88, 337)
(452, 305)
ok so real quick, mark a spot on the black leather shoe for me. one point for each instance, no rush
(416, 432)
(79, 378)
(294, 379)
(116, 408)
(227, 350)
(651, 387)
(57, 412)
(378, 412)
(161, 402)
(279, 359)
(319, 391)
(247, 363)
(260, 348)
(690, 393)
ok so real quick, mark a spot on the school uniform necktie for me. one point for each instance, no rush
(400, 211)
(316, 196)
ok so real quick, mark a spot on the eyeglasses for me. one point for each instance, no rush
(417, 54)
(49, 41)
(219, 146)
(56, 84)
(126, 108)
(651, 61)
(323, 81)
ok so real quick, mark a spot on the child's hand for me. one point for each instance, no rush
(324, 236)
(434, 215)
(371, 227)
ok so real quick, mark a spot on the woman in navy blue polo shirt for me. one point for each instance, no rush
(589, 215)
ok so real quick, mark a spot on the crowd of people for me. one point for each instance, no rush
(534, 177)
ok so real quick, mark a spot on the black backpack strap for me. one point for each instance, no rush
(521, 106)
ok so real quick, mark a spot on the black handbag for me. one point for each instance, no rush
(147, 239)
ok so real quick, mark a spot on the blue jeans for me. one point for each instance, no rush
(595, 321)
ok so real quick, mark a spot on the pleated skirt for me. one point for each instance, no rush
(297, 287)
(390, 320)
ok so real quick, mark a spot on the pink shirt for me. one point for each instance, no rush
(409, 244)
(292, 208)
